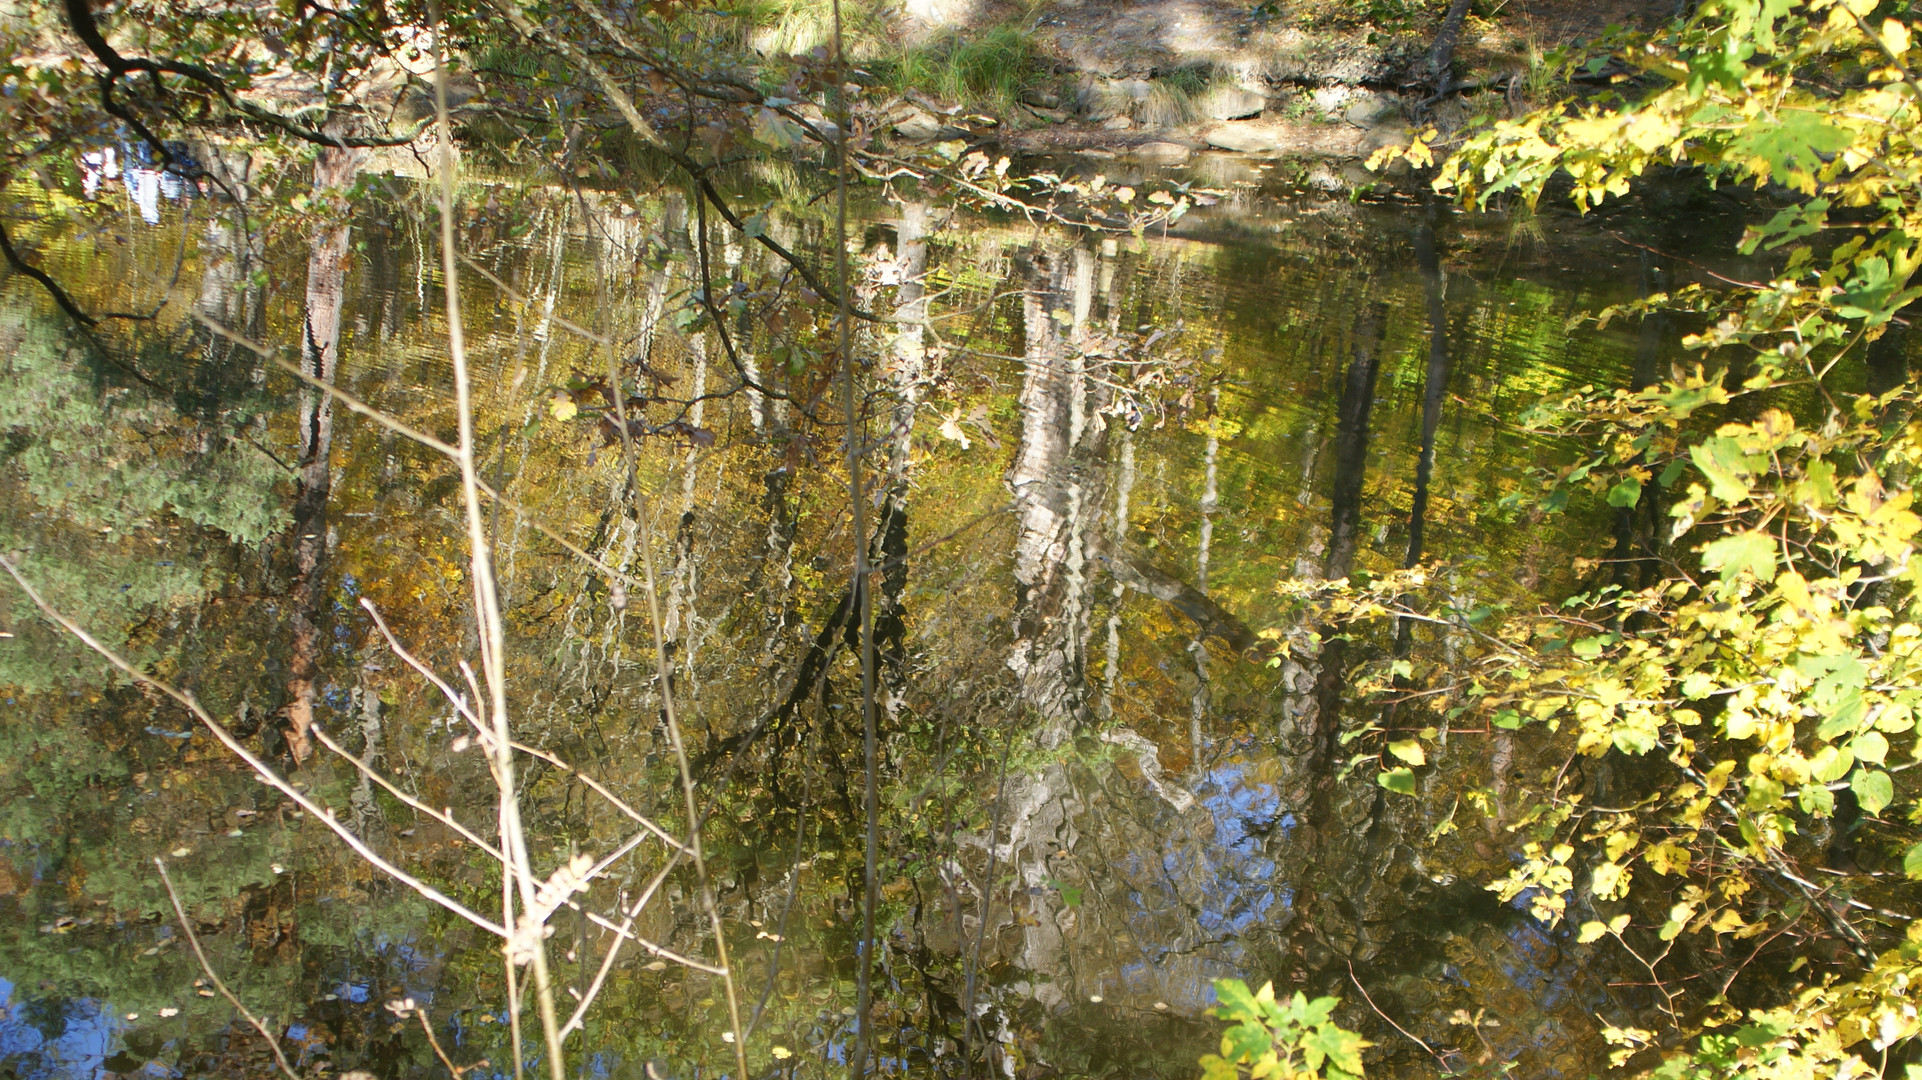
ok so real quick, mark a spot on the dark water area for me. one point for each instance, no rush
(1107, 733)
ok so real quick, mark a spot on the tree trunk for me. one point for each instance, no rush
(1351, 464)
(334, 171)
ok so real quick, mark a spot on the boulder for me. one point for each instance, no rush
(1371, 109)
(1392, 134)
(1230, 103)
(1117, 123)
(917, 126)
(1163, 153)
(1247, 137)
(1332, 101)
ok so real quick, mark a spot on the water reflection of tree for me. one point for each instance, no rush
(1029, 587)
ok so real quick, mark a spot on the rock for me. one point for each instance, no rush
(1117, 123)
(1282, 136)
(1230, 103)
(1323, 178)
(1040, 99)
(1372, 109)
(1163, 153)
(1247, 137)
(917, 126)
(927, 18)
(1395, 134)
(1136, 89)
(1332, 100)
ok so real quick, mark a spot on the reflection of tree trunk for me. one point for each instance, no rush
(1640, 525)
(334, 170)
(1118, 537)
(1434, 289)
(907, 371)
(1057, 516)
(683, 578)
(1058, 497)
(1198, 704)
(1351, 463)
(1889, 358)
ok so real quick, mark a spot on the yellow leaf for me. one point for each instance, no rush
(562, 407)
(1591, 931)
(1667, 857)
(1717, 778)
(1408, 750)
(1610, 881)
(1895, 37)
(1617, 843)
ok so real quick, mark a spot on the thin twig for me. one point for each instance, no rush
(445, 818)
(456, 1071)
(267, 776)
(186, 927)
(1391, 1020)
(404, 430)
(661, 951)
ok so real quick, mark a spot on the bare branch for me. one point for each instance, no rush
(266, 775)
(187, 928)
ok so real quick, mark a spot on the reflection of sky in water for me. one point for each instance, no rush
(55, 1039)
(1218, 877)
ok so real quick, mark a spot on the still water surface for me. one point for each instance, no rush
(1092, 461)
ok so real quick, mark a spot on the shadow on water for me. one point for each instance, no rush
(1095, 458)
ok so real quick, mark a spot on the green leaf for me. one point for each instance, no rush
(1627, 493)
(1912, 862)
(1873, 293)
(1399, 781)
(1790, 141)
(1751, 552)
(1408, 750)
(1235, 1000)
(1873, 789)
(1793, 223)
(1682, 401)
(1245, 1042)
(1870, 746)
(1341, 1047)
(1847, 717)
(1831, 763)
(1721, 460)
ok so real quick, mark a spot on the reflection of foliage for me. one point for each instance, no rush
(1764, 677)
(1296, 1039)
(101, 477)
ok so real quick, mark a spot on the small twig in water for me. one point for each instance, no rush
(186, 927)
(1352, 977)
